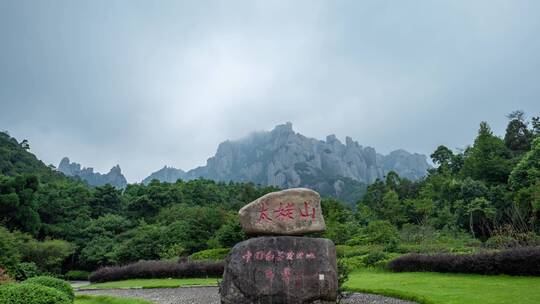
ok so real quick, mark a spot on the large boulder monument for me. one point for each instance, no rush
(277, 265)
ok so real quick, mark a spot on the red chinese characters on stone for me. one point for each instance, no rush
(286, 274)
(269, 257)
(259, 255)
(285, 212)
(263, 213)
(269, 274)
(278, 256)
(290, 255)
(304, 214)
(247, 256)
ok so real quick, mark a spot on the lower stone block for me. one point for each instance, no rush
(280, 269)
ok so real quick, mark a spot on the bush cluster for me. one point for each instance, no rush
(55, 283)
(4, 277)
(77, 275)
(31, 293)
(522, 261)
(158, 269)
(26, 270)
(211, 254)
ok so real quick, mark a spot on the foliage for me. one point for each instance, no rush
(18, 205)
(9, 253)
(16, 160)
(488, 159)
(4, 277)
(77, 275)
(31, 293)
(217, 254)
(48, 255)
(26, 270)
(60, 224)
(377, 232)
(527, 171)
(522, 261)
(343, 275)
(55, 283)
(158, 269)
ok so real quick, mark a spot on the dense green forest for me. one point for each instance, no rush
(484, 196)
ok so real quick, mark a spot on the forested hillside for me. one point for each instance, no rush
(486, 196)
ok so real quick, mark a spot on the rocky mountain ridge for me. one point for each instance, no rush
(286, 159)
(113, 177)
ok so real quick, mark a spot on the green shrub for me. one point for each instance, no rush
(55, 283)
(347, 251)
(48, 255)
(377, 232)
(9, 253)
(210, 254)
(353, 263)
(4, 277)
(373, 258)
(77, 275)
(26, 293)
(25, 271)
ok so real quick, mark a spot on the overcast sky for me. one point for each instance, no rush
(150, 83)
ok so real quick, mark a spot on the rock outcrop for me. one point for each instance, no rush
(286, 159)
(114, 177)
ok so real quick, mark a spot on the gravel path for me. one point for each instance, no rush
(209, 295)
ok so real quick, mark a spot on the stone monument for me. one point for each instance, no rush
(278, 265)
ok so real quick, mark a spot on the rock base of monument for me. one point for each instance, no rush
(281, 269)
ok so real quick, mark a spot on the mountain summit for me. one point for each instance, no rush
(114, 177)
(286, 159)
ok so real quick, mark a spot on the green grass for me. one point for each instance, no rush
(85, 299)
(438, 288)
(153, 283)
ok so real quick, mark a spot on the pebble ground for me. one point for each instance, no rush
(209, 295)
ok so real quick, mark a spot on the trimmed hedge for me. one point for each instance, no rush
(55, 283)
(522, 261)
(26, 293)
(157, 269)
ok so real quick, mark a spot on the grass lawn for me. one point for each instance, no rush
(85, 299)
(153, 283)
(447, 288)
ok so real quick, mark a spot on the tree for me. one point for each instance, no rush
(9, 253)
(105, 199)
(535, 126)
(488, 159)
(48, 255)
(527, 171)
(18, 206)
(392, 209)
(229, 233)
(518, 137)
(442, 156)
(419, 209)
(481, 208)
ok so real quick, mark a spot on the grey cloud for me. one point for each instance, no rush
(145, 84)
